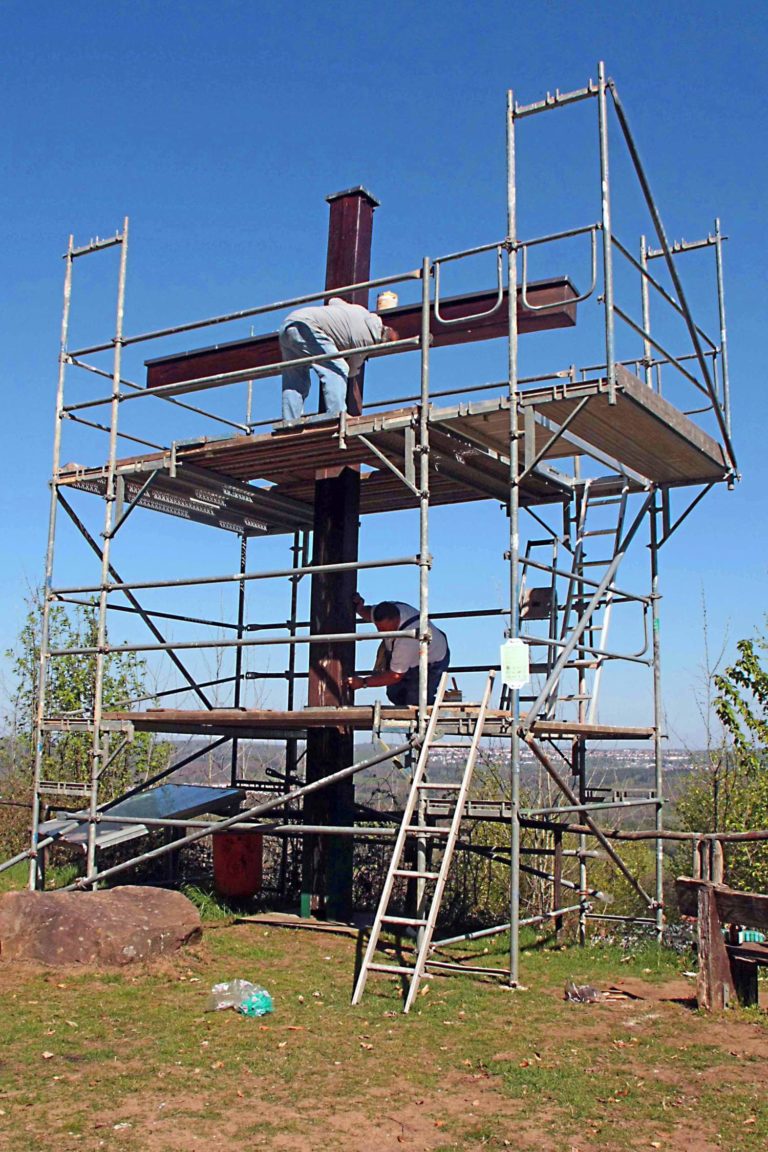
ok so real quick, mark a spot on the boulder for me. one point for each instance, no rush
(113, 927)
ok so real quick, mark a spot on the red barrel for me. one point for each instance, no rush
(237, 863)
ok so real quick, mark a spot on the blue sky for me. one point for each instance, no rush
(220, 128)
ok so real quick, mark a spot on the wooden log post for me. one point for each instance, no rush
(715, 989)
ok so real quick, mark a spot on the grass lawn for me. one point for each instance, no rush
(130, 1060)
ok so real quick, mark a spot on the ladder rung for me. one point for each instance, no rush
(441, 787)
(409, 921)
(391, 968)
(415, 830)
(453, 744)
(600, 532)
(413, 874)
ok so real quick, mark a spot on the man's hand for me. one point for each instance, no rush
(355, 682)
(357, 602)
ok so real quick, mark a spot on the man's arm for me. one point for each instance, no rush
(363, 610)
(375, 680)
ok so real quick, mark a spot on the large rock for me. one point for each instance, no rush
(112, 927)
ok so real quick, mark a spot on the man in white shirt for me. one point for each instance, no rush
(320, 331)
(398, 667)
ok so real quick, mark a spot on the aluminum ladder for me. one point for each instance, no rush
(591, 506)
(416, 834)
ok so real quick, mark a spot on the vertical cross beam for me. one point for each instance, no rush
(327, 860)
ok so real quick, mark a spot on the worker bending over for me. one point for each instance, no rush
(320, 331)
(397, 661)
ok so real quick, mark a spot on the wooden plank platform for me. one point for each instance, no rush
(642, 430)
(264, 483)
(263, 723)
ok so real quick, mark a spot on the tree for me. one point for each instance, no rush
(742, 704)
(70, 692)
(735, 797)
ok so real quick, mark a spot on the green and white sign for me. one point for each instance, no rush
(515, 664)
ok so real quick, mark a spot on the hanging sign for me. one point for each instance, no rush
(515, 664)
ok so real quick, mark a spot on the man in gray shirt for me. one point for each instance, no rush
(321, 331)
(397, 663)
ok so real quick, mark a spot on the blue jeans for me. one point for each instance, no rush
(299, 339)
(406, 691)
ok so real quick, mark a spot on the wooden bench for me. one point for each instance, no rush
(727, 971)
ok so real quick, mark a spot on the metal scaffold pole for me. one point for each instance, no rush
(424, 557)
(658, 716)
(35, 875)
(236, 695)
(100, 748)
(514, 542)
(424, 566)
(646, 306)
(723, 331)
(605, 199)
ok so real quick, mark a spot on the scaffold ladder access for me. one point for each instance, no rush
(412, 843)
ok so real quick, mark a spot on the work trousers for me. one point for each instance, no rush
(299, 339)
(406, 690)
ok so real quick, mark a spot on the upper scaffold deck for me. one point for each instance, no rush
(641, 435)
(267, 723)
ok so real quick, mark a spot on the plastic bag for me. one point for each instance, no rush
(247, 998)
(582, 993)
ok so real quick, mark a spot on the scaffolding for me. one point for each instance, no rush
(599, 450)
